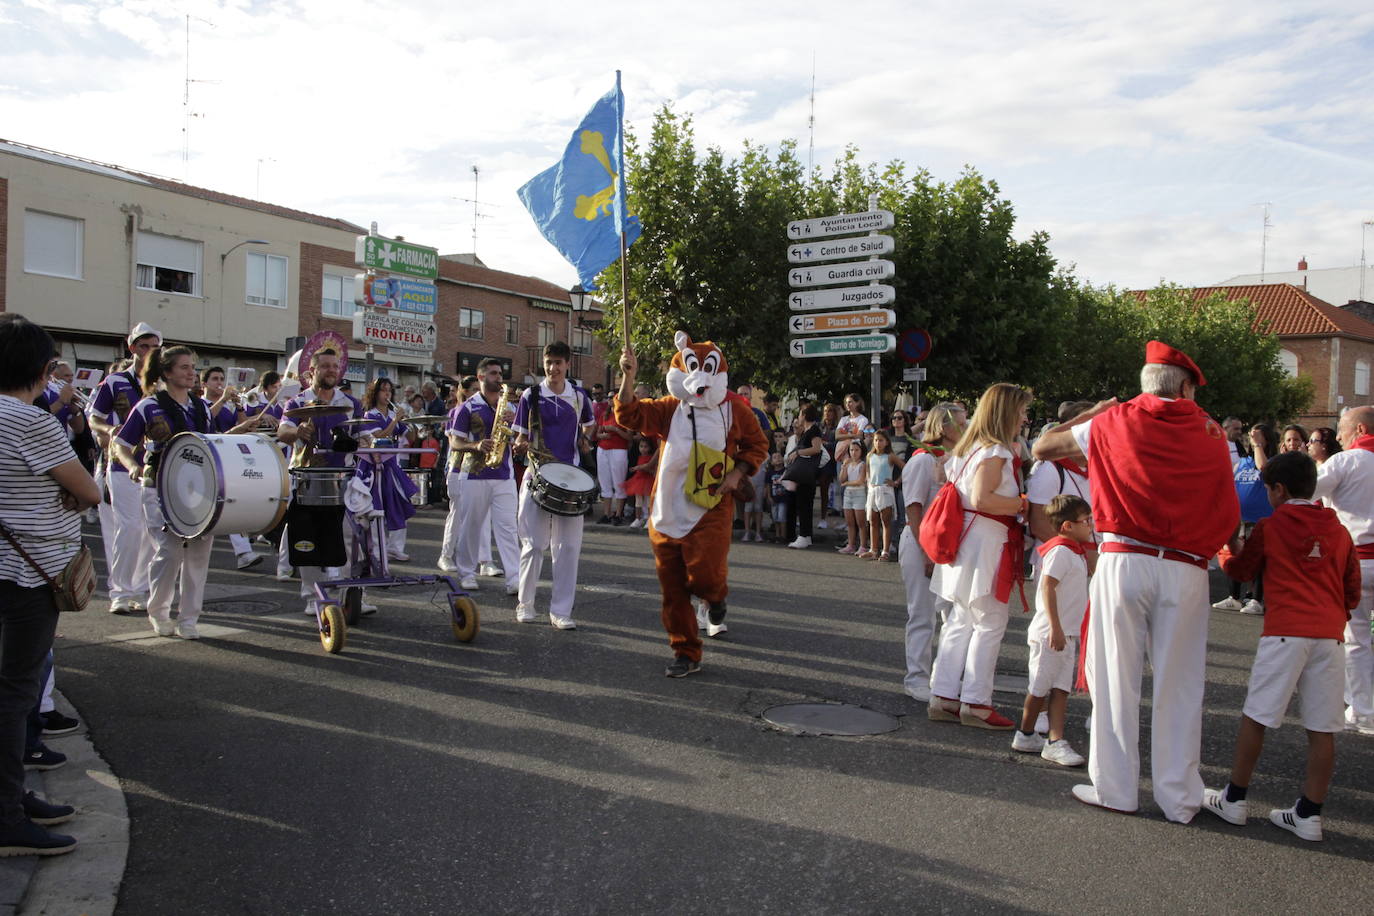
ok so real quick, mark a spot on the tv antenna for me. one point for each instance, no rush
(811, 121)
(476, 205)
(187, 113)
(1264, 237)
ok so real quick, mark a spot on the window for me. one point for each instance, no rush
(53, 245)
(470, 323)
(336, 296)
(266, 280)
(1289, 360)
(512, 329)
(1362, 376)
(546, 334)
(582, 341)
(168, 265)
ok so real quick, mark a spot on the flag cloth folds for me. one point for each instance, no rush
(579, 204)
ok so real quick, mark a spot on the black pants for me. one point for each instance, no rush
(803, 502)
(28, 619)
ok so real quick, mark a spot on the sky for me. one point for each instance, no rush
(1145, 139)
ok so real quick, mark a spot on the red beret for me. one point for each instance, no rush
(1158, 353)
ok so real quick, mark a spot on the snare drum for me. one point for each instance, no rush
(563, 489)
(419, 477)
(321, 486)
(213, 484)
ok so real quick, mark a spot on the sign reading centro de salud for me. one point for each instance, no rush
(863, 246)
(377, 253)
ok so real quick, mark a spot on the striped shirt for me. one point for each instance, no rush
(32, 443)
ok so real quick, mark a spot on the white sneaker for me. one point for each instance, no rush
(398, 556)
(715, 629)
(1363, 725)
(702, 619)
(1027, 744)
(162, 627)
(1227, 604)
(562, 623)
(1062, 753)
(447, 565)
(284, 575)
(822, 524)
(366, 609)
(186, 629)
(249, 560)
(920, 692)
(310, 609)
(1307, 828)
(1253, 607)
(1042, 723)
(800, 543)
(469, 584)
(524, 614)
(513, 588)
(637, 523)
(120, 606)
(489, 570)
(1232, 812)
(264, 541)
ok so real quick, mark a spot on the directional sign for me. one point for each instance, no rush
(396, 293)
(914, 374)
(395, 329)
(396, 257)
(842, 346)
(861, 247)
(876, 294)
(829, 322)
(841, 224)
(848, 272)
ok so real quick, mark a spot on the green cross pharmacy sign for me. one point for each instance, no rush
(395, 257)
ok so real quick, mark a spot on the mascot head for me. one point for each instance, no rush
(697, 374)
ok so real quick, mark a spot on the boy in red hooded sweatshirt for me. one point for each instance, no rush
(1311, 580)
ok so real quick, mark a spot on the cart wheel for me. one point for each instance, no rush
(464, 617)
(332, 629)
(352, 605)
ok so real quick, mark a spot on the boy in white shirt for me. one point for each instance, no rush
(1061, 601)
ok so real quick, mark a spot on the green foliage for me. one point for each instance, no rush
(712, 261)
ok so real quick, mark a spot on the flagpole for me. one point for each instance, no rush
(620, 192)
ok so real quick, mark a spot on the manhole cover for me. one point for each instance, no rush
(239, 606)
(829, 719)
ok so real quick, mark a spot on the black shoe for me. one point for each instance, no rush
(682, 666)
(604, 520)
(44, 758)
(28, 839)
(716, 614)
(738, 524)
(41, 812)
(54, 723)
(618, 520)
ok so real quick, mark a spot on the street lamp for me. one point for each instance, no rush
(580, 300)
(225, 256)
(222, 258)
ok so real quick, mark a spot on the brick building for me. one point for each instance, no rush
(89, 249)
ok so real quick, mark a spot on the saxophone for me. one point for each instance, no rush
(500, 429)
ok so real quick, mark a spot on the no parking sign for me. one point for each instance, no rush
(914, 345)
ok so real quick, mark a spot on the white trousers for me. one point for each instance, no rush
(105, 513)
(966, 662)
(396, 541)
(922, 607)
(132, 542)
(1145, 604)
(284, 555)
(174, 561)
(611, 467)
(453, 525)
(492, 502)
(241, 544)
(562, 535)
(1359, 660)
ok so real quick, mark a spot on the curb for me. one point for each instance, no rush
(85, 881)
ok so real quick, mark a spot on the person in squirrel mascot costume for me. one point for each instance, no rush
(712, 445)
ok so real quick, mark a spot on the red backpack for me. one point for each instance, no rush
(942, 525)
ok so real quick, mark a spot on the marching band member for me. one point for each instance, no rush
(393, 497)
(229, 414)
(127, 566)
(155, 419)
(318, 535)
(551, 415)
(457, 473)
(488, 492)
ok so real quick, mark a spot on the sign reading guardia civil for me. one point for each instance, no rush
(392, 256)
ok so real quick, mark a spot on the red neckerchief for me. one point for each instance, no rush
(1073, 468)
(1364, 442)
(931, 449)
(1060, 541)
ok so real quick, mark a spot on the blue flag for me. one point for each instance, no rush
(579, 204)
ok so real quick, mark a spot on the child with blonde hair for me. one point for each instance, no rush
(883, 468)
(852, 478)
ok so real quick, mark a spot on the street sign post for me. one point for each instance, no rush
(831, 322)
(914, 374)
(377, 253)
(865, 246)
(841, 224)
(848, 272)
(395, 329)
(874, 294)
(842, 346)
(397, 293)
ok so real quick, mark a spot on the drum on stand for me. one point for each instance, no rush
(220, 484)
(321, 486)
(561, 488)
(419, 477)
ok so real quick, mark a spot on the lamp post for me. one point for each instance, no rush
(222, 258)
(580, 300)
(1363, 226)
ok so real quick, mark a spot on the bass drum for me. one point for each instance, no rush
(215, 484)
(563, 489)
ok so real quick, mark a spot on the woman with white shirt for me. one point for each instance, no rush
(43, 491)
(984, 469)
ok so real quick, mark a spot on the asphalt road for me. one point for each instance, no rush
(534, 770)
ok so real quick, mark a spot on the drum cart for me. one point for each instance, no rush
(339, 602)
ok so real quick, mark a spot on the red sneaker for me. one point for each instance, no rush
(984, 717)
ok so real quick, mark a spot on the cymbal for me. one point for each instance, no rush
(315, 411)
(425, 419)
(358, 422)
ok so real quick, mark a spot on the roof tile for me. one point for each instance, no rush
(1291, 311)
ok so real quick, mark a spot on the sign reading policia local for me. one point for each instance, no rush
(377, 253)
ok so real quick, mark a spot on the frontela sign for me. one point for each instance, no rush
(394, 329)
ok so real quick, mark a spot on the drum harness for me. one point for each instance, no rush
(176, 415)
